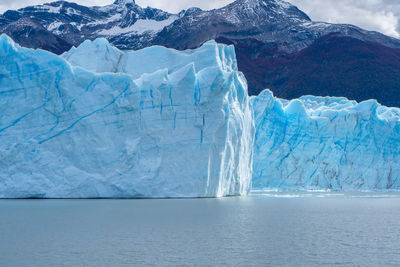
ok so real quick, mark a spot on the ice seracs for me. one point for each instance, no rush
(325, 143)
(178, 129)
(106, 58)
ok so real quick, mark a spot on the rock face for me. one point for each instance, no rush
(277, 45)
(176, 124)
(325, 143)
(32, 34)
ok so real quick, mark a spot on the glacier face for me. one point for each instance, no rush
(106, 58)
(112, 124)
(100, 122)
(314, 143)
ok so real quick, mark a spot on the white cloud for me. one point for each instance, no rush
(378, 15)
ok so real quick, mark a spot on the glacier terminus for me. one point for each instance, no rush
(99, 122)
(168, 124)
(325, 143)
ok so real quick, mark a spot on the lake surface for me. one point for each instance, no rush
(259, 230)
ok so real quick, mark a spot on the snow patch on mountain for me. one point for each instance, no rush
(54, 26)
(52, 9)
(141, 26)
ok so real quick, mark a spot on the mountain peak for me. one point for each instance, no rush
(124, 2)
(267, 8)
(249, 2)
(255, 3)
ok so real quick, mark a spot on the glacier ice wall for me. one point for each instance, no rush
(164, 124)
(325, 143)
(106, 58)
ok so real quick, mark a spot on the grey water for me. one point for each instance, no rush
(264, 229)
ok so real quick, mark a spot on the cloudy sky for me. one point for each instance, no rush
(378, 15)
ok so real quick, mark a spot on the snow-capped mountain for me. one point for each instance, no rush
(130, 26)
(76, 23)
(278, 46)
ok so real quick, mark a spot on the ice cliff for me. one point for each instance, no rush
(101, 123)
(98, 122)
(325, 143)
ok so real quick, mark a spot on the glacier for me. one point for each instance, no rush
(325, 143)
(101, 57)
(97, 122)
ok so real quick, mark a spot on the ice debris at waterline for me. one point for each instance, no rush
(325, 143)
(177, 124)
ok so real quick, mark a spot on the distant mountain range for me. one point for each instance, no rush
(277, 45)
